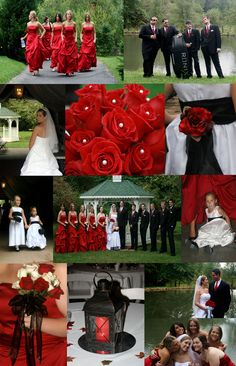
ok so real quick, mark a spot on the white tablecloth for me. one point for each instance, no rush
(134, 325)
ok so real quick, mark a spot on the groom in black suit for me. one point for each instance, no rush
(192, 40)
(211, 46)
(220, 294)
(122, 219)
(167, 34)
(150, 35)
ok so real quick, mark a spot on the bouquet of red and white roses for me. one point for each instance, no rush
(35, 283)
(115, 132)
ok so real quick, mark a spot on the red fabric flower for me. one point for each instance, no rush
(210, 303)
(56, 292)
(40, 285)
(26, 283)
(138, 160)
(44, 268)
(196, 122)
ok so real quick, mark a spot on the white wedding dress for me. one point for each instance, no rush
(215, 232)
(200, 313)
(33, 238)
(113, 238)
(224, 136)
(16, 230)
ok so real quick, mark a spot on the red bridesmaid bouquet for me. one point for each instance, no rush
(196, 122)
(115, 132)
(210, 303)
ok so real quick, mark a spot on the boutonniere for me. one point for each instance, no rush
(212, 30)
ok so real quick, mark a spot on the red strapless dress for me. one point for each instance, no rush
(54, 348)
(92, 234)
(225, 361)
(61, 235)
(87, 54)
(152, 359)
(35, 53)
(101, 234)
(72, 235)
(56, 45)
(82, 234)
(47, 40)
(68, 54)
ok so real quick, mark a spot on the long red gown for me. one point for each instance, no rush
(92, 234)
(82, 234)
(35, 53)
(61, 235)
(68, 54)
(87, 54)
(56, 45)
(47, 40)
(53, 349)
(101, 234)
(72, 234)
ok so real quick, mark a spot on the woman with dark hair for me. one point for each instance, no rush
(47, 38)
(101, 230)
(193, 328)
(82, 231)
(161, 354)
(61, 233)
(73, 240)
(177, 329)
(92, 230)
(214, 337)
(210, 355)
(201, 297)
(87, 54)
(56, 40)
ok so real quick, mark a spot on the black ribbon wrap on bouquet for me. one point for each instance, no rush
(28, 304)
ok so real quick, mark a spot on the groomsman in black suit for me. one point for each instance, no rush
(154, 225)
(211, 46)
(220, 294)
(150, 35)
(167, 33)
(163, 226)
(171, 223)
(192, 40)
(122, 219)
(144, 214)
(133, 223)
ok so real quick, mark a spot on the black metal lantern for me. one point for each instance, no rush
(104, 320)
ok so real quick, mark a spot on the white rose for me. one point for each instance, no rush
(48, 276)
(32, 270)
(21, 273)
(16, 285)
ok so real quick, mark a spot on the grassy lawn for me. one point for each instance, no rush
(137, 77)
(24, 140)
(9, 69)
(113, 63)
(124, 256)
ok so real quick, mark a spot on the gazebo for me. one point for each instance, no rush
(11, 131)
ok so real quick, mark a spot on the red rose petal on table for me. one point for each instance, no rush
(73, 168)
(138, 159)
(40, 285)
(44, 268)
(26, 283)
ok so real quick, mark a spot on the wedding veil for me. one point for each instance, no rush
(51, 132)
(197, 285)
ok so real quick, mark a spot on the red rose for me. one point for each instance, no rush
(73, 168)
(210, 303)
(156, 142)
(97, 90)
(142, 125)
(119, 128)
(135, 95)
(101, 157)
(45, 268)
(70, 122)
(78, 139)
(196, 122)
(56, 292)
(26, 283)
(138, 160)
(153, 111)
(113, 99)
(40, 285)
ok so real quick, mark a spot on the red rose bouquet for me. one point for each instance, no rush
(211, 303)
(196, 122)
(115, 132)
(35, 283)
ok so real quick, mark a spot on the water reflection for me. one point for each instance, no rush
(134, 61)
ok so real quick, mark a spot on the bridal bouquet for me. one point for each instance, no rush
(35, 284)
(196, 122)
(115, 132)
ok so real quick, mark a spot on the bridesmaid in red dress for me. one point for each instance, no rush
(87, 54)
(61, 234)
(53, 325)
(72, 230)
(35, 53)
(92, 232)
(101, 230)
(82, 232)
(47, 38)
(56, 41)
(68, 54)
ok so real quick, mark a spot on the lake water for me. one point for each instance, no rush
(134, 61)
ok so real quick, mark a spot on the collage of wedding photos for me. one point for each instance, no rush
(118, 183)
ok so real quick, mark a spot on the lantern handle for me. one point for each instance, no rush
(94, 278)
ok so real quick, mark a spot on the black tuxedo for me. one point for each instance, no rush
(210, 41)
(133, 222)
(143, 227)
(171, 223)
(150, 47)
(122, 219)
(154, 225)
(221, 297)
(166, 45)
(163, 225)
(194, 38)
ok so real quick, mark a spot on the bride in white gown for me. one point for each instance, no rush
(43, 142)
(200, 297)
(113, 236)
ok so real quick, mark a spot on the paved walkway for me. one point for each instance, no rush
(97, 75)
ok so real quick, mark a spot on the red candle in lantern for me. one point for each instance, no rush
(102, 329)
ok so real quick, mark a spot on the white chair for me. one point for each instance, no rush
(79, 287)
(134, 293)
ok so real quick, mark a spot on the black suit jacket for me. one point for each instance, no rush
(194, 38)
(133, 219)
(221, 296)
(211, 41)
(144, 220)
(172, 217)
(148, 44)
(163, 217)
(122, 217)
(166, 38)
(154, 220)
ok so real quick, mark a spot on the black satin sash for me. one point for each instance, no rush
(213, 218)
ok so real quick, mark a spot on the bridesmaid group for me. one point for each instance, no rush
(58, 41)
(80, 233)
